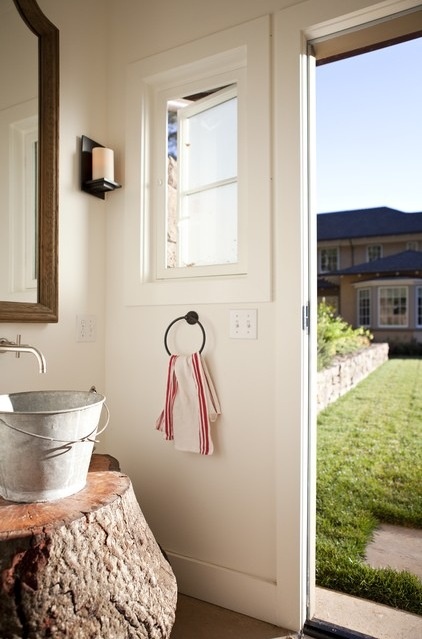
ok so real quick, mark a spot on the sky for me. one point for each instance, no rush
(369, 130)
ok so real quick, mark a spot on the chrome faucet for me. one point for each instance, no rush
(18, 348)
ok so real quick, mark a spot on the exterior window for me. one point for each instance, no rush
(412, 245)
(374, 252)
(419, 306)
(328, 260)
(364, 307)
(393, 306)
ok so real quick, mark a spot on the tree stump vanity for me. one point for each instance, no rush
(86, 566)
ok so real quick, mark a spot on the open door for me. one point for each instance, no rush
(294, 29)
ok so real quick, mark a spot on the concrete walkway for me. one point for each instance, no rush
(366, 617)
(396, 547)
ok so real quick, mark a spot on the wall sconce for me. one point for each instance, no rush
(97, 168)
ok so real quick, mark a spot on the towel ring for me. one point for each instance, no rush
(192, 318)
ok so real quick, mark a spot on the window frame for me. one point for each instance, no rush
(169, 90)
(391, 287)
(163, 270)
(371, 247)
(238, 55)
(418, 306)
(328, 248)
(367, 291)
(23, 263)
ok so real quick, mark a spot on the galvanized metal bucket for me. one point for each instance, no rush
(46, 443)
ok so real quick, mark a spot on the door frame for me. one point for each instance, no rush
(295, 286)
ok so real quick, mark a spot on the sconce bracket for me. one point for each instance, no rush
(100, 187)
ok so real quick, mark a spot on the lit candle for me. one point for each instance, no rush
(102, 163)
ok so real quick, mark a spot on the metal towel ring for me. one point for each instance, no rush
(192, 318)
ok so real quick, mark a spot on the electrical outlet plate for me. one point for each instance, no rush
(243, 324)
(86, 328)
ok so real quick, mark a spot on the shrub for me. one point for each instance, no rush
(337, 337)
(405, 349)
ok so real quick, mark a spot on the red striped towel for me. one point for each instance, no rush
(191, 403)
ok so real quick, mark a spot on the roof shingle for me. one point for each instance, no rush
(367, 223)
(404, 262)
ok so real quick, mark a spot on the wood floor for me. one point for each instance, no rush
(199, 620)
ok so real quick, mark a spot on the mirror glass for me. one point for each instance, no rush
(28, 163)
(18, 157)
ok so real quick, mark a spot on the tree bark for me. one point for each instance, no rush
(86, 566)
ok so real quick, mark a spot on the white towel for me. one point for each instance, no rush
(191, 403)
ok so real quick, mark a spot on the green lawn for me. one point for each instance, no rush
(369, 471)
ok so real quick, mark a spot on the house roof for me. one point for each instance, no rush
(326, 284)
(367, 223)
(404, 262)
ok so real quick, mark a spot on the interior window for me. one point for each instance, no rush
(202, 179)
(200, 204)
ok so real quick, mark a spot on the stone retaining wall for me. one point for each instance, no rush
(347, 371)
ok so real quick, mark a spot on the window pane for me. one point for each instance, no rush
(202, 216)
(374, 252)
(393, 306)
(364, 307)
(210, 146)
(419, 306)
(208, 227)
(328, 260)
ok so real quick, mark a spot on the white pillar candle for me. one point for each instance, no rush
(102, 163)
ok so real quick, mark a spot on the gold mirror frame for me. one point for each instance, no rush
(46, 307)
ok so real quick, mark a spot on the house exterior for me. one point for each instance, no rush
(370, 270)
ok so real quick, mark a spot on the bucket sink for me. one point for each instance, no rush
(47, 442)
(46, 401)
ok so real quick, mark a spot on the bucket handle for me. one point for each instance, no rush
(87, 438)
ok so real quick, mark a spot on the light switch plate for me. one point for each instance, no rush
(86, 328)
(243, 324)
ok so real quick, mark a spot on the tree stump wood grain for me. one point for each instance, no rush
(85, 567)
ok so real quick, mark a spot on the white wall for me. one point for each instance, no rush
(215, 516)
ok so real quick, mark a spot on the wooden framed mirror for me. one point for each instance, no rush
(45, 307)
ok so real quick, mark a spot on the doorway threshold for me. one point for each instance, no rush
(359, 618)
(319, 629)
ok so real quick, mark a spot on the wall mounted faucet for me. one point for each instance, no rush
(18, 348)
